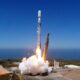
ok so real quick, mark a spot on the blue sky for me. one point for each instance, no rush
(18, 23)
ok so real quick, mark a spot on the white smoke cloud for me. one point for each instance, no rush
(34, 66)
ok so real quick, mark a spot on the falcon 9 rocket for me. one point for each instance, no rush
(39, 30)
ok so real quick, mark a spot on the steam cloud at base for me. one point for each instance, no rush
(34, 66)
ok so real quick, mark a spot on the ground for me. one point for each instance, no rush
(60, 74)
(63, 74)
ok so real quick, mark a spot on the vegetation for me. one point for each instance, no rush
(65, 62)
(9, 62)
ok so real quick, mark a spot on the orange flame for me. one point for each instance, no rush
(38, 53)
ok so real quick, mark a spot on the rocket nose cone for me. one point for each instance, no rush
(39, 13)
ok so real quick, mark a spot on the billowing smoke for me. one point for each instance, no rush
(34, 66)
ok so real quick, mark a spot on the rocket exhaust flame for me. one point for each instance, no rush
(38, 52)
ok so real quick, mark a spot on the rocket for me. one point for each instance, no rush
(39, 30)
(39, 37)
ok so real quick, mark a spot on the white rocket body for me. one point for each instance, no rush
(39, 30)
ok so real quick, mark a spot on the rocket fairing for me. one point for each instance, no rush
(39, 16)
(39, 30)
